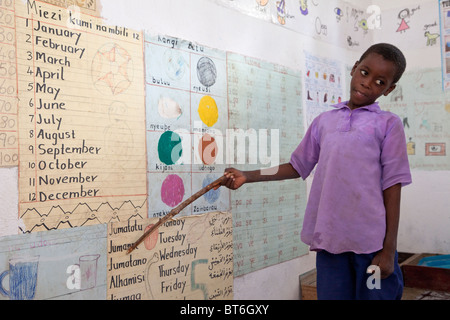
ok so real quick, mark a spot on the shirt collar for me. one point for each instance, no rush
(374, 107)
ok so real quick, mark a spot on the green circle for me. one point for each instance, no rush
(169, 148)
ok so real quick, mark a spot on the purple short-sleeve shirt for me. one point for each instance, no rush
(358, 153)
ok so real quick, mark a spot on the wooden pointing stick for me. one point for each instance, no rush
(177, 210)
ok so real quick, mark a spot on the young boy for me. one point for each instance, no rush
(353, 209)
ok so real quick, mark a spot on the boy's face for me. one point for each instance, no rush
(371, 78)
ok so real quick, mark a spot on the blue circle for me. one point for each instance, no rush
(212, 195)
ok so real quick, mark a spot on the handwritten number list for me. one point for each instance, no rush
(9, 155)
(79, 87)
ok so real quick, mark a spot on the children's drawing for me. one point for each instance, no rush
(320, 28)
(339, 13)
(421, 104)
(351, 42)
(168, 108)
(170, 148)
(172, 190)
(61, 264)
(262, 3)
(206, 71)
(208, 149)
(304, 7)
(212, 195)
(112, 69)
(357, 18)
(403, 16)
(405, 122)
(411, 147)
(323, 85)
(175, 64)
(435, 149)
(360, 23)
(23, 274)
(119, 138)
(82, 214)
(351, 19)
(208, 111)
(281, 13)
(83, 275)
(363, 25)
(431, 38)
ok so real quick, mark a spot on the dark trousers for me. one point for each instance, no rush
(344, 277)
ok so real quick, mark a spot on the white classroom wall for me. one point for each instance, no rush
(425, 217)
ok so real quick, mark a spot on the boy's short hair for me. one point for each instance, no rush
(391, 53)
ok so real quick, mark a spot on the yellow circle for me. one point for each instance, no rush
(208, 111)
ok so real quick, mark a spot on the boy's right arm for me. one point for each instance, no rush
(236, 178)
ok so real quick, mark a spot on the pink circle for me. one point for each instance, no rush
(172, 190)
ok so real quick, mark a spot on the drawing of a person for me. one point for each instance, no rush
(303, 7)
(339, 13)
(402, 15)
(405, 122)
(425, 124)
(262, 3)
(281, 12)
